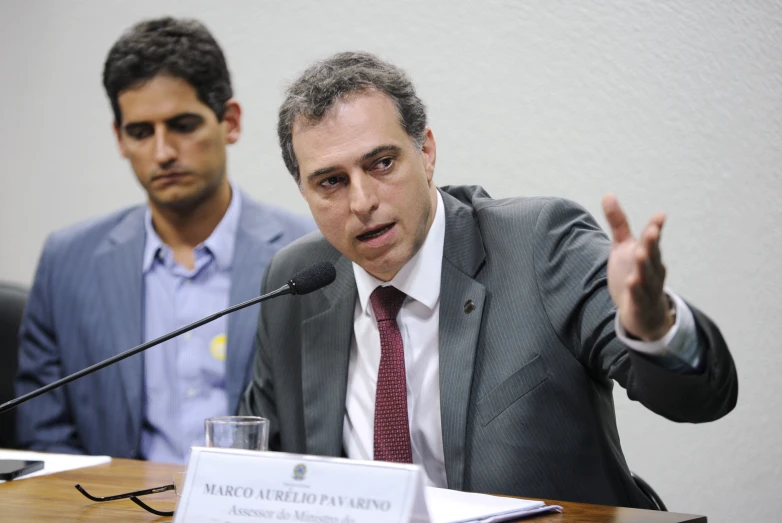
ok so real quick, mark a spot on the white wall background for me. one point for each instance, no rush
(670, 104)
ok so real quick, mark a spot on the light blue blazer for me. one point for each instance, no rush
(86, 305)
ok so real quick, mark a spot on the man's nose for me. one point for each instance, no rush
(363, 194)
(164, 150)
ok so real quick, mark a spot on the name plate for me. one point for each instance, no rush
(237, 486)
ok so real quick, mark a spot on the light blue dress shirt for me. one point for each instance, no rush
(184, 378)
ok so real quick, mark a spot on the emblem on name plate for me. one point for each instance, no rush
(299, 472)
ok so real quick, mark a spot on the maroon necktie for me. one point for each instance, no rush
(392, 429)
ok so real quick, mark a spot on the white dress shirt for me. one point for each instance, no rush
(419, 321)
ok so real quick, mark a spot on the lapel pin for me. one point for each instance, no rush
(469, 306)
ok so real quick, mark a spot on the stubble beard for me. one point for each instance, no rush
(188, 205)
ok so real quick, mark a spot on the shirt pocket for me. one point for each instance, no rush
(521, 383)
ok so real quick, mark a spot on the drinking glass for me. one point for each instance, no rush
(237, 432)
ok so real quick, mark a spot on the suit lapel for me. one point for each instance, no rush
(252, 252)
(327, 336)
(118, 263)
(326, 341)
(461, 309)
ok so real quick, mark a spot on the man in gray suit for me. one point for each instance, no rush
(476, 337)
(198, 246)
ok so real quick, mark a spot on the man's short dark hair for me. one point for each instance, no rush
(168, 46)
(337, 77)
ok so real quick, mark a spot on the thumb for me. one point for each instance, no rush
(620, 228)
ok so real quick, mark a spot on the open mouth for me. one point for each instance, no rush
(375, 233)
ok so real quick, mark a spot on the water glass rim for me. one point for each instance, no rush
(237, 420)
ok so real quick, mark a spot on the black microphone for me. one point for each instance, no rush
(312, 278)
(303, 282)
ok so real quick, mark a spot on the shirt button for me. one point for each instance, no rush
(191, 392)
(188, 335)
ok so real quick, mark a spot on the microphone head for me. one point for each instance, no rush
(313, 278)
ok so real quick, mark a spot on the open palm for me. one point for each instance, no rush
(636, 274)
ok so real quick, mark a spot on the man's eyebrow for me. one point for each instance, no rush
(381, 149)
(182, 116)
(321, 172)
(173, 120)
(371, 154)
(133, 125)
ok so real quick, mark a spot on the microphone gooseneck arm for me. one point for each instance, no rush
(303, 282)
(285, 289)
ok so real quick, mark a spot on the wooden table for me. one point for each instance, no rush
(53, 498)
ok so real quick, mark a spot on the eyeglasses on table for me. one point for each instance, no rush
(176, 486)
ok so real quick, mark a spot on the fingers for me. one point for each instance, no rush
(648, 259)
(620, 228)
(650, 238)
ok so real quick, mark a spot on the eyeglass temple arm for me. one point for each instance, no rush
(146, 507)
(155, 490)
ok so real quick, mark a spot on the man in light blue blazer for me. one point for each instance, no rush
(198, 246)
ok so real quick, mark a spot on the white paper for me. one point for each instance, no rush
(53, 462)
(452, 506)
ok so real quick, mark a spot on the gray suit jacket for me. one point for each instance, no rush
(525, 378)
(86, 305)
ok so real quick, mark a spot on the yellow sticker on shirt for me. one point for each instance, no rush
(217, 347)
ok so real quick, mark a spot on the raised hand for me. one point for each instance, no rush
(636, 274)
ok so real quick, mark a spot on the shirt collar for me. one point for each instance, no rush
(220, 243)
(419, 278)
(152, 243)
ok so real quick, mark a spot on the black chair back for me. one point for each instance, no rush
(649, 492)
(13, 298)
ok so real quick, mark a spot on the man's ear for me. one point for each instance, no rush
(123, 150)
(429, 150)
(233, 121)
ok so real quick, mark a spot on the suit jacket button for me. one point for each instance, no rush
(469, 306)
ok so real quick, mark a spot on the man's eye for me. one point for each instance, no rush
(184, 127)
(384, 163)
(331, 181)
(138, 133)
